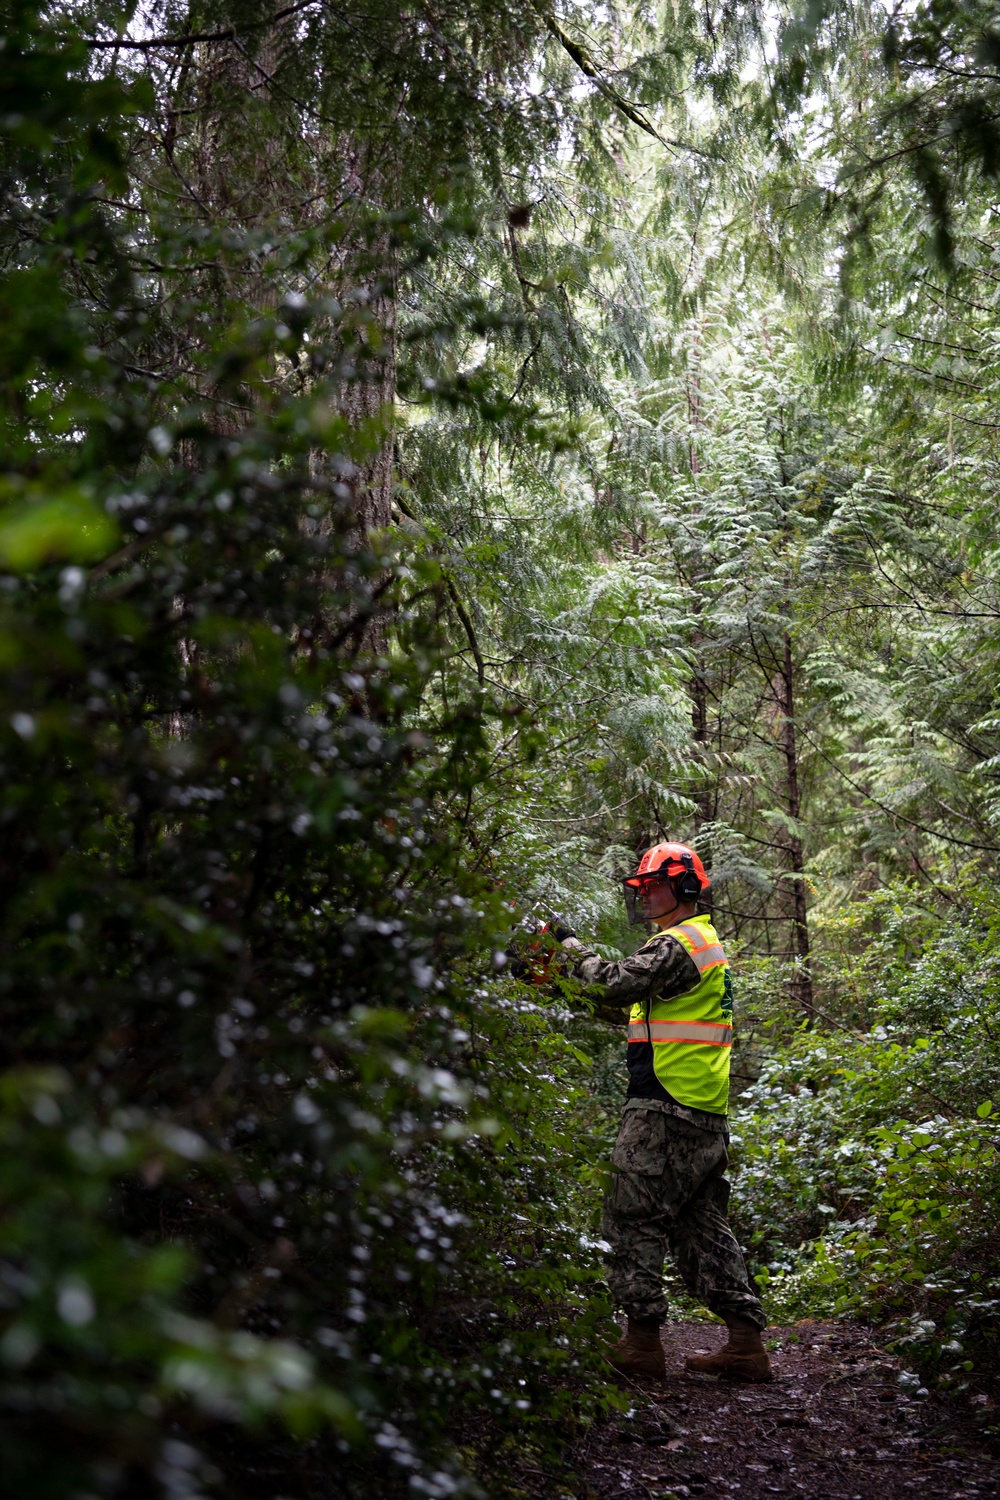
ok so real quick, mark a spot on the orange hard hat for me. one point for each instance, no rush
(665, 860)
(675, 863)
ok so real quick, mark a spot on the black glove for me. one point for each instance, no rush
(559, 930)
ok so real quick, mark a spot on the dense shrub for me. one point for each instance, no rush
(869, 1158)
(280, 1153)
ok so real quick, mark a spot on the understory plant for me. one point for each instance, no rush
(284, 1166)
(868, 1160)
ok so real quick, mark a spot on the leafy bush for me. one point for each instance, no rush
(852, 1195)
(280, 1150)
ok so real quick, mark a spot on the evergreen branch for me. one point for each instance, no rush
(928, 877)
(587, 66)
(919, 338)
(460, 608)
(903, 364)
(153, 44)
(463, 615)
(974, 422)
(954, 296)
(932, 833)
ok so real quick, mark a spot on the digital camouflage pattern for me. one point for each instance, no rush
(670, 1194)
(661, 967)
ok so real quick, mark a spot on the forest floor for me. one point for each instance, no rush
(834, 1424)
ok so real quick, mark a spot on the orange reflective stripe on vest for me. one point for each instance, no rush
(707, 1033)
(705, 955)
(692, 1033)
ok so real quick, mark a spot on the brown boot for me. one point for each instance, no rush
(744, 1356)
(639, 1351)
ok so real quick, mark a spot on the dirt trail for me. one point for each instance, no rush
(834, 1425)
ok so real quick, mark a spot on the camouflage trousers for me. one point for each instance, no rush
(670, 1196)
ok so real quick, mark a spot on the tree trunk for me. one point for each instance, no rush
(802, 987)
(699, 730)
(369, 396)
(694, 400)
(366, 274)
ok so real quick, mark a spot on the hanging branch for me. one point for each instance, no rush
(463, 615)
(931, 833)
(460, 609)
(152, 44)
(585, 63)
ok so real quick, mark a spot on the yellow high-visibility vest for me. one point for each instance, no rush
(692, 1034)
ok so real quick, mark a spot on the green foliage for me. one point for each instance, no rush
(419, 492)
(283, 1191)
(868, 1159)
(96, 1333)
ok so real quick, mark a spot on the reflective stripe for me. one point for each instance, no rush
(708, 1033)
(705, 955)
(694, 934)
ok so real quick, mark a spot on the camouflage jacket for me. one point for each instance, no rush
(660, 968)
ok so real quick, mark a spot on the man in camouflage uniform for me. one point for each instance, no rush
(670, 1192)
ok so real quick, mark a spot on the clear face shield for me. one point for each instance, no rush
(641, 892)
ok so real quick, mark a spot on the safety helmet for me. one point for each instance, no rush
(675, 863)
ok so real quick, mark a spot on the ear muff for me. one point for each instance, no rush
(687, 887)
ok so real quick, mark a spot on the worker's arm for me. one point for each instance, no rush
(661, 967)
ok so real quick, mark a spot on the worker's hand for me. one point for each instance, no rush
(559, 930)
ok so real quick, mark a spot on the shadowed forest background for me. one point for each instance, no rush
(448, 447)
